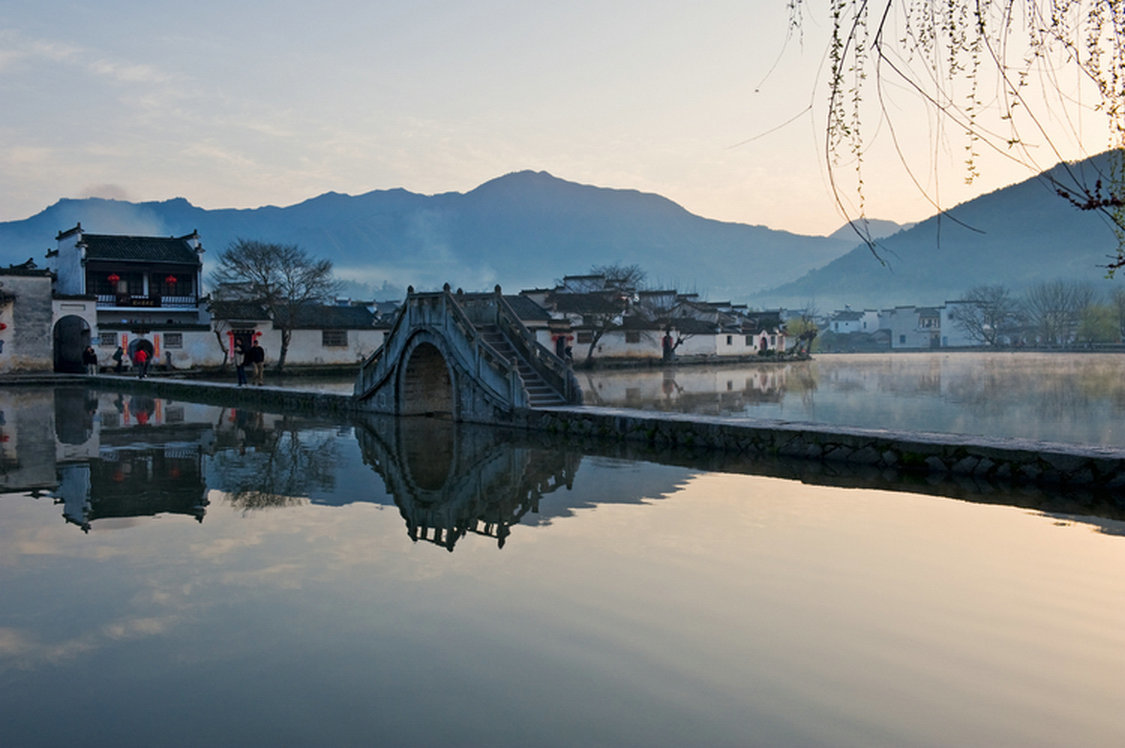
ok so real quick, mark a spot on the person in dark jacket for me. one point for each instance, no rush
(258, 361)
(90, 360)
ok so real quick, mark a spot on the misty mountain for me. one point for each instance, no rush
(523, 230)
(1017, 236)
(868, 228)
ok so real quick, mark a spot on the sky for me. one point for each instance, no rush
(238, 105)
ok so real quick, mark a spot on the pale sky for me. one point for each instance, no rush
(239, 105)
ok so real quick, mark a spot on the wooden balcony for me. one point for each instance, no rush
(147, 302)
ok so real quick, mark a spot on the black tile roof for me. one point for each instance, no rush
(328, 317)
(238, 309)
(599, 302)
(526, 309)
(689, 326)
(142, 248)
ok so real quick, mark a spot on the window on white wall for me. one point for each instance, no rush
(107, 338)
(173, 340)
(334, 338)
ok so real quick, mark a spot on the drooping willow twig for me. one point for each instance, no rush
(948, 53)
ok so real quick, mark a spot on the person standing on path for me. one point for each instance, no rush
(240, 363)
(90, 359)
(258, 360)
(140, 360)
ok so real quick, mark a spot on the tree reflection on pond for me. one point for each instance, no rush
(128, 457)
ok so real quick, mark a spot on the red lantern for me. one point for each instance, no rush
(170, 280)
(113, 278)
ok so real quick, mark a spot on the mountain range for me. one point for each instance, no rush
(1017, 237)
(523, 230)
(528, 229)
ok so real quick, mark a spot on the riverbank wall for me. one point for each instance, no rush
(1007, 460)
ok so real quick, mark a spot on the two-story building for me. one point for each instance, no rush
(912, 327)
(129, 291)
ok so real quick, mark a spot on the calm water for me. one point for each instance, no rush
(176, 574)
(1052, 397)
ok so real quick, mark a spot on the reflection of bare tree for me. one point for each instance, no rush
(802, 381)
(268, 467)
(590, 393)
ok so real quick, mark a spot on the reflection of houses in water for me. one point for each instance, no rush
(449, 482)
(102, 455)
(134, 482)
(714, 390)
(146, 460)
(27, 440)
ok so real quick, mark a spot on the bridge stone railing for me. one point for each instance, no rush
(493, 309)
(486, 384)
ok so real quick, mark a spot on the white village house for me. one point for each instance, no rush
(145, 292)
(624, 324)
(322, 334)
(133, 292)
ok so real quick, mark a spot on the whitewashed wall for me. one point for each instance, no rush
(201, 348)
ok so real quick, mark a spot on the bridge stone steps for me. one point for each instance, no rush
(539, 393)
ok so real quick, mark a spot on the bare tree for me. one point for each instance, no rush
(1054, 309)
(986, 313)
(603, 309)
(282, 277)
(622, 277)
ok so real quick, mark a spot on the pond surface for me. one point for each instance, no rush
(178, 574)
(1072, 398)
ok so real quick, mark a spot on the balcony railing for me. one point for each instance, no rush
(150, 302)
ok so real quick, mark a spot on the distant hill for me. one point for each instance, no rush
(873, 228)
(1017, 236)
(525, 229)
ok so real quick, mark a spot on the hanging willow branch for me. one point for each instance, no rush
(993, 70)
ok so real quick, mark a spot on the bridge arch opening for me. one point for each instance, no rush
(427, 387)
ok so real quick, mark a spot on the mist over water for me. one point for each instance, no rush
(1071, 398)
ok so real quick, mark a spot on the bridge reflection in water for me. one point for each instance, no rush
(106, 458)
(450, 480)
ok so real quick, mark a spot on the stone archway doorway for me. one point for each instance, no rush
(71, 336)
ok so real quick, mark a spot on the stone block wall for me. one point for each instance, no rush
(1018, 461)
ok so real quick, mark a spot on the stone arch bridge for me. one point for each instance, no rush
(466, 357)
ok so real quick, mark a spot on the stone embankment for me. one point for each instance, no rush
(1019, 461)
(1004, 460)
